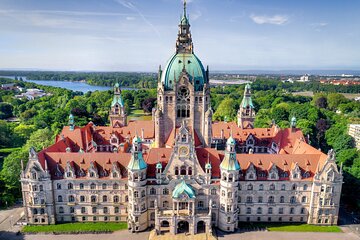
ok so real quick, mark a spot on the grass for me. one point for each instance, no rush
(296, 227)
(311, 94)
(71, 228)
(138, 114)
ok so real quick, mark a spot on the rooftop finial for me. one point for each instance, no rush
(184, 8)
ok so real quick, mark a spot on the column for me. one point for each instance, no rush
(188, 208)
(177, 208)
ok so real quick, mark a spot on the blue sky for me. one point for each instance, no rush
(138, 35)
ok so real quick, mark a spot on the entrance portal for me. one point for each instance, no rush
(183, 227)
(164, 226)
(201, 227)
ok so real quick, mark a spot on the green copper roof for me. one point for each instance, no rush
(208, 166)
(137, 162)
(136, 140)
(117, 99)
(247, 101)
(231, 141)
(159, 165)
(229, 162)
(193, 67)
(183, 190)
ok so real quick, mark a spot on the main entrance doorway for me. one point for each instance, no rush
(200, 227)
(183, 227)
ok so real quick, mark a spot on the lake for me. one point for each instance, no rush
(74, 86)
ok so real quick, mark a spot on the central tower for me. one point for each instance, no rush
(183, 92)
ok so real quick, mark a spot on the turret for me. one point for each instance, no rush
(230, 173)
(118, 117)
(137, 208)
(293, 122)
(246, 113)
(71, 122)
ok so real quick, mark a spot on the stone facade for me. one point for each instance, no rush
(181, 171)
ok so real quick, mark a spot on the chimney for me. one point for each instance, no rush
(142, 134)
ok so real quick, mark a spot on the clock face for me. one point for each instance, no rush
(183, 151)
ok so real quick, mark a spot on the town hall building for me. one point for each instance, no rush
(181, 172)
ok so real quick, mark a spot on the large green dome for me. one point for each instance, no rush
(193, 66)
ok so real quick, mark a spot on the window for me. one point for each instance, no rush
(259, 210)
(271, 199)
(248, 210)
(272, 187)
(152, 191)
(143, 193)
(34, 175)
(305, 187)
(94, 209)
(106, 210)
(61, 210)
(283, 187)
(260, 199)
(166, 191)
(70, 186)
(293, 187)
(270, 211)
(302, 211)
(60, 199)
(34, 188)
(93, 199)
(136, 194)
(116, 199)
(152, 204)
(116, 210)
(81, 186)
(250, 187)
(71, 198)
(82, 198)
(165, 204)
(281, 210)
(249, 199)
(41, 188)
(92, 186)
(213, 191)
(72, 210)
(176, 170)
(200, 204)
(105, 198)
(282, 199)
(303, 199)
(293, 199)
(261, 187)
(292, 210)
(104, 186)
(115, 186)
(229, 195)
(58, 186)
(83, 210)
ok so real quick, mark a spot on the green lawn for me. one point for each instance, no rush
(138, 114)
(76, 228)
(296, 227)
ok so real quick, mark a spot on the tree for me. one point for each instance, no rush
(343, 142)
(347, 156)
(5, 110)
(148, 104)
(306, 126)
(226, 109)
(335, 99)
(280, 113)
(321, 102)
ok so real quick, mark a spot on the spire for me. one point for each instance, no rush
(184, 42)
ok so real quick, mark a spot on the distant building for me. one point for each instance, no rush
(8, 86)
(304, 78)
(32, 93)
(354, 131)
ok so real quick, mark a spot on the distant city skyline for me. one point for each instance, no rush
(138, 35)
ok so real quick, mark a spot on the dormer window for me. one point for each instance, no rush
(34, 175)
(92, 174)
(184, 138)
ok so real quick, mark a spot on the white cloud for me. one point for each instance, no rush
(130, 18)
(320, 24)
(195, 15)
(276, 19)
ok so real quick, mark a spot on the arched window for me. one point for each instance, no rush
(81, 186)
(92, 186)
(293, 199)
(104, 186)
(71, 198)
(61, 210)
(259, 210)
(93, 199)
(248, 210)
(183, 170)
(35, 211)
(60, 199)
(34, 175)
(305, 187)
(231, 177)
(116, 210)
(94, 209)
(70, 186)
(190, 171)
(250, 187)
(176, 170)
(260, 199)
(270, 210)
(282, 199)
(115, 186)
(261, 187)
(82, 198)
(152, 191)
(272, 187)
(271, 199)
(293, 187)
(106, 210)
(58, 186)
(116, 199)
(249, 199)
(104, 198)
(283, 187)
(303, 199)
(72, 209)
